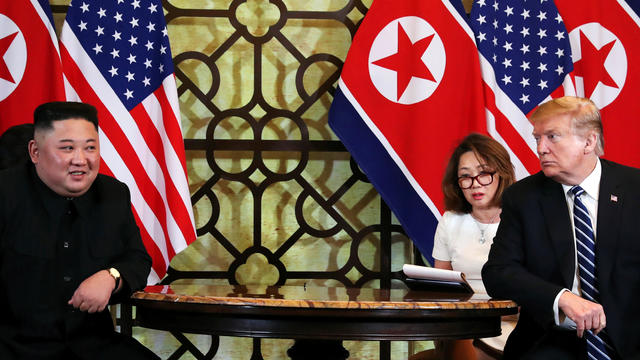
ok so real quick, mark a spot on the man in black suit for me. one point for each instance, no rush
(534, 256)
(69, 245)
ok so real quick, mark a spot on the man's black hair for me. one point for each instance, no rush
(47, 113)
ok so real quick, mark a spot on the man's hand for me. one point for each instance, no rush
(586, 314)
(94, 292)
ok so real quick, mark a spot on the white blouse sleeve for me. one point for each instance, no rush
(441, 240)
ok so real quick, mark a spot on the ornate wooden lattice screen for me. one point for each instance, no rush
(277, 198)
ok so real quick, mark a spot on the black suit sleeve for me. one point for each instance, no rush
(513, 270)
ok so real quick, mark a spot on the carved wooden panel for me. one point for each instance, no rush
(277, 199)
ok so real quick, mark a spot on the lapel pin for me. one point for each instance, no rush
(614, 198)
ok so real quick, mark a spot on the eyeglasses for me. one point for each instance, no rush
(484, 178)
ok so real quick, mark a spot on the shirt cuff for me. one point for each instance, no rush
(556, 310)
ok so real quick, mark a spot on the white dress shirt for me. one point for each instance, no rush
(591, 186)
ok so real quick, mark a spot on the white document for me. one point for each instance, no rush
(423, 272)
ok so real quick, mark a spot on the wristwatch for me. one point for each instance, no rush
(116, 276)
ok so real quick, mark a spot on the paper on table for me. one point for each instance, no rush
(423, 272)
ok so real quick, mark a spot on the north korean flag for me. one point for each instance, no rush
(30, 67)
(409, 91)
(605, 51)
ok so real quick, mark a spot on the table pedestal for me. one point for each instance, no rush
(318, 350)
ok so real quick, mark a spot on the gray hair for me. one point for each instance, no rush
(584, 114)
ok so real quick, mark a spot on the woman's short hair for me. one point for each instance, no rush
(493, 154)
(584, 114)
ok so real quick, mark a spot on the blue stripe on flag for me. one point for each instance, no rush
(417, 219)
(635, 5)
(44, 4)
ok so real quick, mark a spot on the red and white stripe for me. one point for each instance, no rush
(142, 148)
(508, 125)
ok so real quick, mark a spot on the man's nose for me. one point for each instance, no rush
(542, 146)
(79, 157)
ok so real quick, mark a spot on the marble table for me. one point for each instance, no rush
(319, 318)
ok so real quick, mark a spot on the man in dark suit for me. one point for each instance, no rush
(538, 257)
(69, 245)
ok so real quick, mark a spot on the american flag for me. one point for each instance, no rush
(525, 55)
(116, 56)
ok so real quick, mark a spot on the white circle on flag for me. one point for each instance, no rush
(386, 44)
(615, 64)
(15, 58)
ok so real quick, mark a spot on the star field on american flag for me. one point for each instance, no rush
(134, 58)
(527, 45)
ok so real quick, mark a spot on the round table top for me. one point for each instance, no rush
(319, 313)
(317, 297)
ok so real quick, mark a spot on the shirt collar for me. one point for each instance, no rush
(56, 204)
(591, 184)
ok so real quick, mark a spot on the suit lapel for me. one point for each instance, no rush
(556, 215)
(610, 202)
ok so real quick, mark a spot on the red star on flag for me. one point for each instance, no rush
(407, 62)
(5, 42)
(591, 65)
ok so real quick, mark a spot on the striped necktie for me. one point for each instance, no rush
(597, 348)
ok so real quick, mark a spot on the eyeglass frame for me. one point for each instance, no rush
(476, 179)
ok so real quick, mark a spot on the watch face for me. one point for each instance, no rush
(115, 273)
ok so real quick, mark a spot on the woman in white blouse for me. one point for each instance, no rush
(478, 172)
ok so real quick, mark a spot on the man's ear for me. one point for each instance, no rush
(34, 152)
(592, 141)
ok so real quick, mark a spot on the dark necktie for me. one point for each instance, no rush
(597, 348)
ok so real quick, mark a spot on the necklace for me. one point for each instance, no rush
(486, 226)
